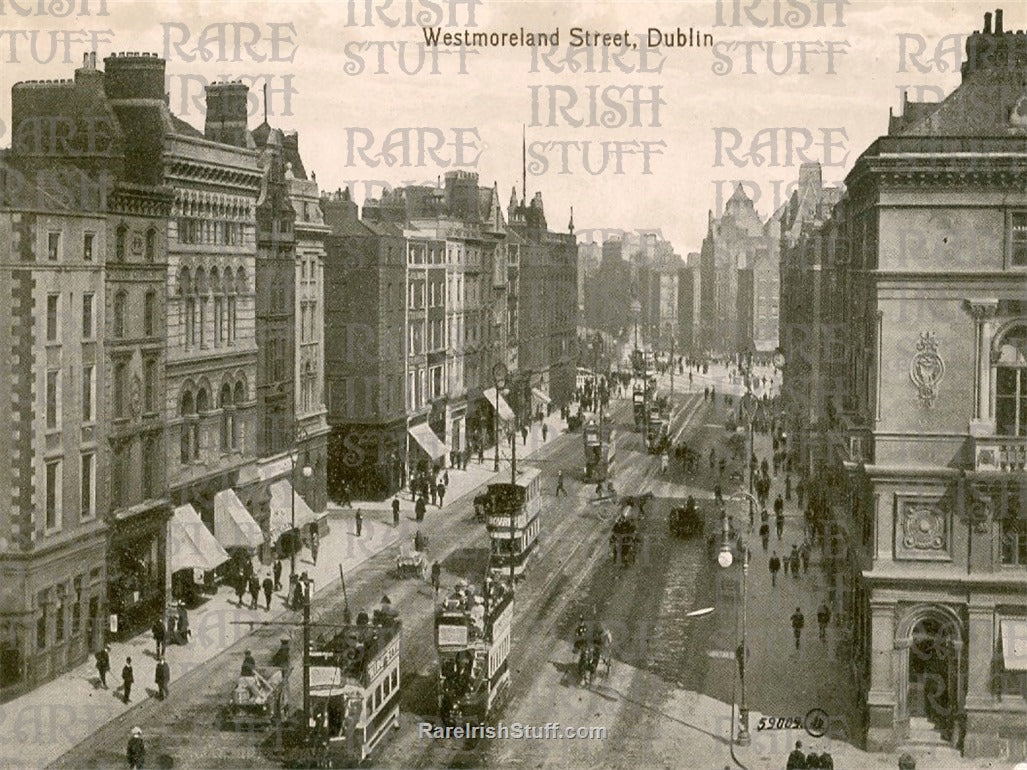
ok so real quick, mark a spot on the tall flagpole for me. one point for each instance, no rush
(524, 166)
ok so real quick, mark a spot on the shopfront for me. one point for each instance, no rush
(136, 587)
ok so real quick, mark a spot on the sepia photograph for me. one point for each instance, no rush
(491, 384)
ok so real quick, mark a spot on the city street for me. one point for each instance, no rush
(667, 699)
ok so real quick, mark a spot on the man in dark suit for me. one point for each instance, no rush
(162, 676)
(103, 664)
(127, 678)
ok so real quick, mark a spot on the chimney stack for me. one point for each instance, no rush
(227, 113)
(987, 23)
(998, 21)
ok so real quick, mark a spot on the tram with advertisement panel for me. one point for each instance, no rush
(472, 640)
(599, 440)
(513, 522)
(354, 686)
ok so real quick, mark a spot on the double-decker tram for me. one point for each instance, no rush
(354, 685)
(472, 639)
(513, 522)
(599, 448)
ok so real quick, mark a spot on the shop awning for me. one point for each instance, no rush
(505, 412)
(282, 498)
(1014, 644)
(192, 545)
(428, 441)
(541, 396)
(233, 525)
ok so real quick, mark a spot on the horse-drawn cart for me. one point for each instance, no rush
(411, 563)
(259, 700)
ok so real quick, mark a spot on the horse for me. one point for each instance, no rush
(588, 661)
(605, 651)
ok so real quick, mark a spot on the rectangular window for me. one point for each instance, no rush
(119, 477)
(87, 484)
(120, 243)
(60, 606)
(88, 388)
(151, 245)
(76, 607)
(150, 314)
(52, 398)
(87, 247)
(53, 246)
(1018, 238)
(42, 605)
(1014, 542)
(151, 466)
(53, 499)
(120, 385)
(150, 384)
(87, 315)
(52, 304)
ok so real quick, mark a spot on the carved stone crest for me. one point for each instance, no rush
(923, 527)
(980, 509)
(926, 370)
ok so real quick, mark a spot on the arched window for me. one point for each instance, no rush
(151, 245)
(227, 417)
(150, 314)
(202, 404)
(189, 429)
(238, 399)
(1011, 382)
(120, 304)
(120, 243)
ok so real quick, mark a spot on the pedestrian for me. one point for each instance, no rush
(804, 552)
(786, 563)
(764, 535)
(779, 522)
(240, 587)
(823, 618)
(559, 483)
(524, 435)
(278, 574)
(713, 394)
(779, 506)
(545, 432)
(481, 452)
(713, 458)
(249, 664)
(718, 493)
(433, 492)
(159, 636)
(775, 567)
(103, 664)
(420, 507)
(800, 492)
(269, 588)
(344, 495)
(706, 394)
(162, 676)
(664, 463)
(358, 517)
(442, 494)
(721, 465)
(254, 586)
(395, 511)
(788, 487)
(796, 760)
(798, 621)
(127, 678)
(136, 751)
(795, 563)
(436, 576)
(764, 517)
(445, 478)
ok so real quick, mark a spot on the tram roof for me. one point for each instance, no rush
(525, 476)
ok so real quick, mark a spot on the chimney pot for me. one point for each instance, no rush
(987, 23)
(85, 60)
(998, 21)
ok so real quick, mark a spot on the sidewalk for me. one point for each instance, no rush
(43, 724)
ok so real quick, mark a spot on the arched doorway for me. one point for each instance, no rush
(931, 680)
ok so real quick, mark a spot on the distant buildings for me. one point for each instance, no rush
(739, 281)
(912, 355)
(440, 287)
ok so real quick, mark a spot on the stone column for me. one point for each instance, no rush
(980, 649)
(881, 699)
(983, 312)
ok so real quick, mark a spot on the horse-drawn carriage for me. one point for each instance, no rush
(685, 520)
(413, 562)
(593, 644)
(625, 540)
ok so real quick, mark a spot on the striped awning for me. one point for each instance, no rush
(283, 498)
(541, 396)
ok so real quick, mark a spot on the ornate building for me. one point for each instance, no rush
(924, 489)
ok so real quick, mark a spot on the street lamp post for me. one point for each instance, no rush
(307, 473)
(725, 559)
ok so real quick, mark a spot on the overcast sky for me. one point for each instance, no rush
(487, 104)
